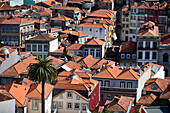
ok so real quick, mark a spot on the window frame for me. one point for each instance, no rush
(33, 107)
(122, 82)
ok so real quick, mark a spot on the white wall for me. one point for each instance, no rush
(7, 106)
(160, 73)
(53, 45)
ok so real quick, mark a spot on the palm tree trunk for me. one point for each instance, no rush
(42, 97)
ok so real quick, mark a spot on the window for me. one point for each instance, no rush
(133, 56)
(78, 97)
(76, 106)
(128, 56)
(3, 38)
(86, 52)
(61, 96)
(101, 82)
(69, 105)
(147, 55)
(92, 52)
(123, 19)
(154, 55)
(11, 30)
(140, 44)
(122, 56)
(165, 57)
(127, 19)
(16, 30)
(3, 30)
(127, 25)
(126, 32)
(16, 38)
(84, 107)
(39, 47)
(122, 84)
(140, 55)
(129, 84)
(46, 48)
(60, 105)
(28, 47)
(69, 94)
(107, 83)
(147, 44)
(7, 30)
(154, 45)
(123, 25)
(109, 97)
(98, 53)
(90, 29)
(126, 38)
(34, 104)
(134, 10)
(34, 47)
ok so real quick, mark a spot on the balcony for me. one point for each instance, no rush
(118, 89)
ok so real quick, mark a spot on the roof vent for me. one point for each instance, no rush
(16, 86)
(5, 51)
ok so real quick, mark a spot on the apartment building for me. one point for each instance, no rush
(125, 21)
(142, 12)
(14, 30)
(147, 43)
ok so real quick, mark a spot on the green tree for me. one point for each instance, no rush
(42, 71)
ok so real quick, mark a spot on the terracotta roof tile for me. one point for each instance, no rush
(97, 25)
(94, 41)
(147, 99)
(46, 37)
(128, 46)
(4, 95)
(76, 33)
(166, 93)
(5, 7)
(61, 18)
(98, 20)
(73, 65)
(66, 8)
(165, 39)
(156, 85)
(36, 90)
(75, 46)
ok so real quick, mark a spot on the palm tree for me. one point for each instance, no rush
(42, 72)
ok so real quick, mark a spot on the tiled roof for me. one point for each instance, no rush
(5, 7)
(61, 18)
(36, 90)
(24, 81)
(166, 93)
(136, 109)
(147, 99)
(46, 37)
(49, 2)
(99, 64)
(38, 21)
(75, 46)
(165, 39)
(4, 95)
(98, 20)
(73, 65)
(97, 25)
(154, 5)
(76, 33)
(102, 13)
(120, 104)
(18, 92)
(129, 47)
(156, 85)
(88, 61)
(55, 61)
(125, 8)
(117, 73)
(15, 20)
(66, 8)
(148, 29)
(94, 41)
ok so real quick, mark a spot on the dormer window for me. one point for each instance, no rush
(128, 56)
(122, 56)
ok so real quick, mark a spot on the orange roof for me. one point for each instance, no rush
(88, 61)
(15, 20)
(49, 2)
(38, 21)
(165, 39)
(125, 8)
(36, 90)
(102, 13)
(55, 29)
(5, 7)
(66, 8)
(148, 29)
(156, 85)
(120, 104)
(166, 93)
(24, 81)
(94, 41)
(46, 37)
(76, 33)
(18, 92)
(73, 65)
(98, 20)
(128, 46)
(4, 95)
(97, 25)
(55, 61)
(61, 18)
(99, 64)
(75, 46)
(147, 99)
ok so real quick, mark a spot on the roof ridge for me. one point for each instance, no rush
(132, 74)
